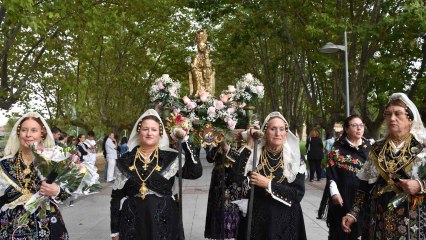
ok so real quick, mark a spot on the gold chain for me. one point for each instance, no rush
(143, 190)
(21, 175)
(396, 162)
(264, 161)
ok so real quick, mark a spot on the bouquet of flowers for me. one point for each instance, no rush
(206, 109)
(54, 165)
(165, 91)
(177, 121)
(248, 90)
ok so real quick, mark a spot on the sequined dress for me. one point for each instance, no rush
(39, 227)
(155, 216)
(406, 220)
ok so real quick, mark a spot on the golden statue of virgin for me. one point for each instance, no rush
(202, 73)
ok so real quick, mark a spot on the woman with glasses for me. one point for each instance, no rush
(394, 177)
(345, 160)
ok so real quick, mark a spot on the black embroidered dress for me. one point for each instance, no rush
(156, 216)
(40, 226)
(276, 214)
(223, 216)
(344, 162)
(406, 220)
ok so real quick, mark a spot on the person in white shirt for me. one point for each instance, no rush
(111, 155)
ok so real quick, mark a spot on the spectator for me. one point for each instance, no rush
(315, 150)
(111, 156)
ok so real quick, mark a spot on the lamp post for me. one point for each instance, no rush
(333, 48)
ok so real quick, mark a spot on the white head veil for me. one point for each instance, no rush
(417, 128)
(13, 144)
(291, 151)
(134, 136)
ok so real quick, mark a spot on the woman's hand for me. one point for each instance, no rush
(337, 199)
(347, 221)
(50, 190)
(116, 238)
(409, 186)
(259, 180)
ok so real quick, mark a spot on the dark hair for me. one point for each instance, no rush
(38, 120)
(123, 140)
(400, 103)
(91, 133)
(70, 139)
(328, 135)
(104, 146)
(150, 117)
(56, 130)
(346, 124)
(80, 135)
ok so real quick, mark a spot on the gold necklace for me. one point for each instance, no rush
(398, 140)
(266, 165)
(143, 190)
(23, 176)
(395, 162)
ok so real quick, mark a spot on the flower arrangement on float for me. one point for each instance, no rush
(177, 121)
(248, 90)
(165, 91)
(54, 165)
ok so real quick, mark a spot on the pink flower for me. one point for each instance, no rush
(231, 88)
(173, 90)
(186, 100)
(218, 104)
(160, 85)
(211, 111)
(231, 110)
(224, 98)
(203, 95)
(231, 123)
(176, 110)
(191, 105)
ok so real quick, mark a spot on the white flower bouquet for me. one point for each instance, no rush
(165, 91)
(54, 165)
(248, 90)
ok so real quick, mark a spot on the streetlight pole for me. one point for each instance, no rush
(333, 48)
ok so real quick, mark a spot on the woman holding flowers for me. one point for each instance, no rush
(142, 204)
(345, 160)
(278, 181)
(19, 180)
(394, 177)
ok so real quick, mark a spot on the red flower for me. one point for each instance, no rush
(340, 157)
(177, 119)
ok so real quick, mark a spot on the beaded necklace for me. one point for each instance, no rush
(146, 163)
(25, 176)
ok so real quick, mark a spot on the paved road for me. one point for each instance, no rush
(89, 218)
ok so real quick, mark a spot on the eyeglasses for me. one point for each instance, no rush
(361, 125)
(398, 114)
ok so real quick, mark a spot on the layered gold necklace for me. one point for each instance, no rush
(267, 167)
(395, 162)
(24, 176)
(146, 162)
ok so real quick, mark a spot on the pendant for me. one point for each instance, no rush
(157, 168)
(143, 190)
(271, 176)
(27, 171)
(145, 166)
(131, 168)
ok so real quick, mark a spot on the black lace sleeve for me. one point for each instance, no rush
(289, 193)
(215, 155)
(191, 170)
(116, 197)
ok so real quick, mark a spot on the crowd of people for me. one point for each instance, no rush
(372, 191)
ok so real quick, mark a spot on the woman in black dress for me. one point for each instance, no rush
(279, 181)
(345, 160)
(142, 204)
(315, 151)
(19, 181)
